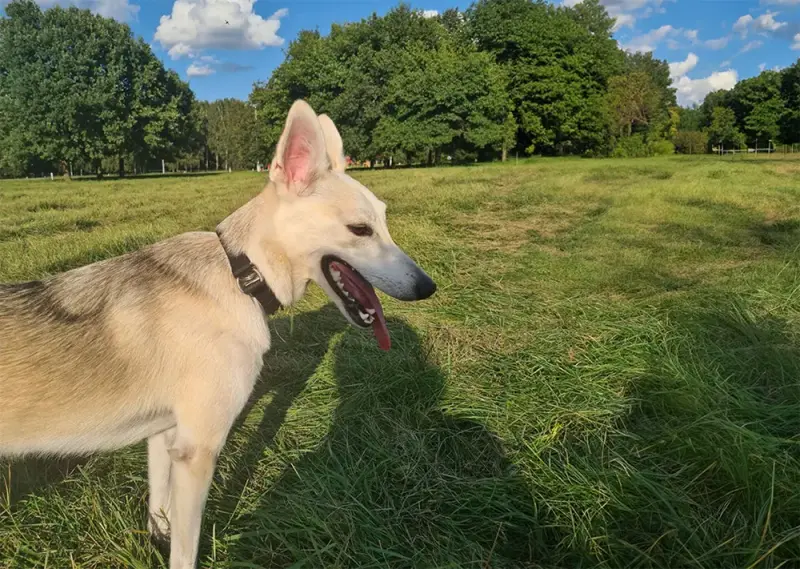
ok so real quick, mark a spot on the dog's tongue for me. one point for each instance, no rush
(365, 295)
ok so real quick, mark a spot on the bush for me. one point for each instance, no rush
(630, 147)
(690, 142)
(661, 148)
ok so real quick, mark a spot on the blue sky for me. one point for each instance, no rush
(223, 46)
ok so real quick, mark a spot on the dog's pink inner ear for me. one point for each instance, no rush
(298, 157)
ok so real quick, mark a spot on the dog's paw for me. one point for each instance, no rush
(158, 527)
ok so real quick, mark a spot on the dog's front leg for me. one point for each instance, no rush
(159, 465)
(192, 469)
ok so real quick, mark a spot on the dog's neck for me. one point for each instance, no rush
(250, 230)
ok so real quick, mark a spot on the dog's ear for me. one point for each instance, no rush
(300, 157)
(333, 143)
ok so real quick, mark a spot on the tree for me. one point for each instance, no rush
(789, 123)
(634, 101)
(559, 60)
(690, 142)
(78, 87)
(446, 100)
(723, 129)
(758, 105)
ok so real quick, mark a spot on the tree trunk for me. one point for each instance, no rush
(217, 157)
(505, 153)
(121, 167)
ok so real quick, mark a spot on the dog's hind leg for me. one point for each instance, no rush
(159, 465)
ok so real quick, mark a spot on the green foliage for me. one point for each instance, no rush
(632, 146)
(789, 124)
(690, 142)
(660, 148)
(233, 135)
(723, 130)
(690, 119)
(635, 102)
(78, 88)
(766, 107)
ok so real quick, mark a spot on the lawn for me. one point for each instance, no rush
(608, 376)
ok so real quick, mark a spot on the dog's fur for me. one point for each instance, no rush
(162, 344)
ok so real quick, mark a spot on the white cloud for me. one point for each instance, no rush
(195, 25)
(718, 43)
(765, 23)
(750, 46)
(742, 25)
(796, 44)
(691, 35)
(625, 12)
(726, 63)
(199, 70)
(768, 23)
(681, 68)
(762, 66)
(430, 13)
(692, 91)
(121, 10)
(650, 40)
(624, 21)
(782, 2)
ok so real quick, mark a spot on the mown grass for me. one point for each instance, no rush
(609, 376)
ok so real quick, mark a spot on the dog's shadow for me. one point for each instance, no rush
(391, 474)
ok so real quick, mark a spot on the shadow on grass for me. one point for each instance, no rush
(704, 469)
(396, 481)
(21, 477)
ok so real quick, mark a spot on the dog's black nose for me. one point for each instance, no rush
(424, 287)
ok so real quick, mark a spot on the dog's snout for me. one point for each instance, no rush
(424, 287)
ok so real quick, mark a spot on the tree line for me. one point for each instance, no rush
(78, 93)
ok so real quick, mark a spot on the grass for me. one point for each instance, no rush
(609, 376)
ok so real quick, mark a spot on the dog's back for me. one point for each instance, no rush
(94, 358)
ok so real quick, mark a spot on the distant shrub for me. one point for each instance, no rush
(661, 148)
(630, 147)
(690, 142)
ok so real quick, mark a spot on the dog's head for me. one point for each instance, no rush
(336, 227)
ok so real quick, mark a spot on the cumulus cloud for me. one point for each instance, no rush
(694, 37)
(765, 23)
(121, 10)
(742, 25)
(199, 70)
(430, 13)
(625, 12)
(650, 40)
(718, 43)
(624, 21)
(692, 91)
(681, 68)
(195, 25)
(796, 44)
(762, 66)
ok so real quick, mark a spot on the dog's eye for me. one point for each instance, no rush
(362, 230)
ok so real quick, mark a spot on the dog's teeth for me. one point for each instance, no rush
(368, 319)
(371, 310)
(335, 274)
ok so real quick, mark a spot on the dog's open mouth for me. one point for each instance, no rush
(358, 297)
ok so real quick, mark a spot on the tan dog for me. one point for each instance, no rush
(166, 343)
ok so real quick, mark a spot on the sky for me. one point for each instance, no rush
(222, 47)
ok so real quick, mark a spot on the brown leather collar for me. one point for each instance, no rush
(251, 281)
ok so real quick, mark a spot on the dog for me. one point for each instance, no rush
(166, 343)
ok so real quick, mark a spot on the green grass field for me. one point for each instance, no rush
(608, 376)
